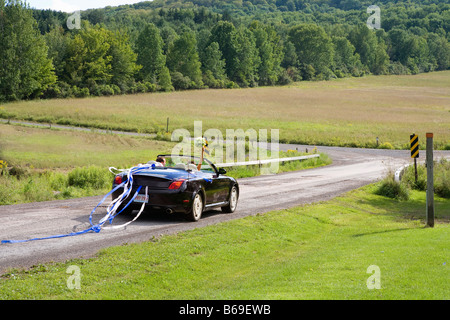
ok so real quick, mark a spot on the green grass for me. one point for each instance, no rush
(343, 112)
(441, 170)
(318, 251)
(38, 148)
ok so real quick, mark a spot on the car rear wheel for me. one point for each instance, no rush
(232, 202)
(196, 209)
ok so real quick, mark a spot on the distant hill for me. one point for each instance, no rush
(181, 44)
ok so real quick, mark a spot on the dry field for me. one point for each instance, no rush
(343, 112)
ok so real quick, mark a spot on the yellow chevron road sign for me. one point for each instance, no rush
(414, 140)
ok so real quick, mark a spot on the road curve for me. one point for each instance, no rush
(351, 169)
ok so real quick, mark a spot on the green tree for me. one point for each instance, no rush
(183, 57)
(74, 61)
(213, 66)
(346, 61)
(371, 49)
(57, 43)
(150, 56)
(270, 52)
(97, 60)
(247, 59)
(399, 45)
(25, 69)
(314, 49)
(87, 60)
(224, 33)
(439, 51)
(290, 58)
(123, 60)
(410, 50)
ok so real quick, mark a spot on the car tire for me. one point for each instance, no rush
(196, 209)
(233, 200)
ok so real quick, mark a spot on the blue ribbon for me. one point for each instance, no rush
(103, 200)
(129, 202)
(97, 227)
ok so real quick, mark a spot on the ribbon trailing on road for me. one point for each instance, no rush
(112, 209)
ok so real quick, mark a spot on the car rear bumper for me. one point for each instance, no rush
(169, 201)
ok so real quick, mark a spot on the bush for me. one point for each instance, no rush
(65, 90)
(398, 69)
(116, 89)
(410, 180)
(386, 145)
(284, 78)
(140, 87)
(19, 172)
(80, 92)
(180, 82)
(151, 87)
(36, 190)
(52, 91)
(294, 74)
(392, 189)
(211, 82)
(89, 177)
(106, 90)
(231, 85)
(441, 178)
(339, 73)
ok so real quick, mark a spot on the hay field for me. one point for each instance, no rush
(341, 112)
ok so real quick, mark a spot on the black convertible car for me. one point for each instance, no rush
(178, 186)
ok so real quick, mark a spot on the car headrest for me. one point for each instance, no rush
(180, 166)
(192, 167)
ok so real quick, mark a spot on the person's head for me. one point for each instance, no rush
(161, 160)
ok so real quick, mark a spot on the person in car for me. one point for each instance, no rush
(161, 160)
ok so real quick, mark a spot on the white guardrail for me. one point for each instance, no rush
(399, 172)
(264, 161)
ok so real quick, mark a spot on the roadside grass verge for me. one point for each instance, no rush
(349, 112)
(317, 251)
(400, 190)
(441, 177)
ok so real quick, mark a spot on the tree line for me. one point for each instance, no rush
(148, 47)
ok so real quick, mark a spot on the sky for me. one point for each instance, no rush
(74, 5)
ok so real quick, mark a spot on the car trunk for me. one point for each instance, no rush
(153, 182)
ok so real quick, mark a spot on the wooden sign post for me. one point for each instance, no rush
(430, 181)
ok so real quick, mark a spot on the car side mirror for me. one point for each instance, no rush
(222, 171)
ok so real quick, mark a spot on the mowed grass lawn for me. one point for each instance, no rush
(318, 251)
(341, 112)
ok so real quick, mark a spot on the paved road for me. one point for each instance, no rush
(351, 168)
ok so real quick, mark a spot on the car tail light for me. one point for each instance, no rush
(176, 184)
(118, 180)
